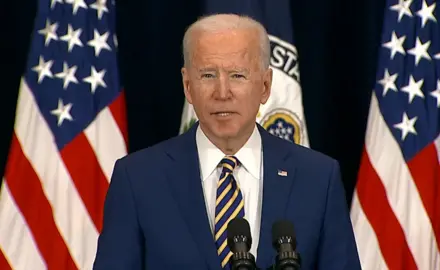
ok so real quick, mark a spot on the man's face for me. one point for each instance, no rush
(225, 82)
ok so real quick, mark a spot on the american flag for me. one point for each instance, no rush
(396, 205)
(70, 128)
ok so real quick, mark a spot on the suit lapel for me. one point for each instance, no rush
(276, 190)
(184, 176)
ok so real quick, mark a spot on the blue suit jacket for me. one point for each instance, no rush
(155, 215)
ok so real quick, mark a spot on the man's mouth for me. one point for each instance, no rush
(226, 113)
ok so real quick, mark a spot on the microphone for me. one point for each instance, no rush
(284, 242)
(240, 242)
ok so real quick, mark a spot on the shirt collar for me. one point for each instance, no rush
(210, 156)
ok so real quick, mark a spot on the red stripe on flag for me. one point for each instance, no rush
(4, 265)
(391, 238)
(118, 111)
(28, 193)
(87, 175)
(425, 171)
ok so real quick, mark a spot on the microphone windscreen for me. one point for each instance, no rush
(238, 227)
(283, 229)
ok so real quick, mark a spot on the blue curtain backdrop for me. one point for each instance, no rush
(337, 43)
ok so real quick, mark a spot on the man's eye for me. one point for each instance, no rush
(238, 76)
(207, 75)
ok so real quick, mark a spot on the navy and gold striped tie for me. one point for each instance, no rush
(229, 204)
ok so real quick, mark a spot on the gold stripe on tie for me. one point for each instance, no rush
(233, 160)
(223, 179)
(223, 228)
(220, 198)
(222, 247)
(228, 166)
(227, 205)
(225, 261)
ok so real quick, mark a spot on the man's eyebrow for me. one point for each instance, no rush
(231, 70)
(238, 69)
(206, 69)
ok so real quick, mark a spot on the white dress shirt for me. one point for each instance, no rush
(248, 175)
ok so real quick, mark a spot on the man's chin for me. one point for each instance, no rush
(226, 133)
(224, 130)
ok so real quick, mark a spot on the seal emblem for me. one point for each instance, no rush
(284, 124)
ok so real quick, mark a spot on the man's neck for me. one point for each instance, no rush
(230, 146)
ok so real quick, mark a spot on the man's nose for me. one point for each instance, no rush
(223, 90)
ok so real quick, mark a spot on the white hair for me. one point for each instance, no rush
(220, 22)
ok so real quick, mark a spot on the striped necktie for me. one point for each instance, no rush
(229, 204)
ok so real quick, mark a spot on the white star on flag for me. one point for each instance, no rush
(100, 6)
(43, 69)
(420, 50)
(395, 45)
(425, 13)
(49, 32)
(95, 79)
(68, 75)
(403, 8)
(413, 89)
(72, 37)
(62, 112)
(436, 93)
(76, 4)
(388, 82)
(99, 42)
(406, 126)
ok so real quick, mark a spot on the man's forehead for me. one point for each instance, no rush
(239, 61)
(229, 67)
(237, 48)
(227, 48)
(218, 52)
(236, 36)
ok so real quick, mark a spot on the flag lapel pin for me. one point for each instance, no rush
(282, 173)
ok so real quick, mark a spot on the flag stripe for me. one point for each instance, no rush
(411, 215)
(26, 189)
(392, 238)
(118, 110)
(68, 209)
(87, 176)
(103, 134)
(424, 168)
(15, 235)
(437, 147)
(369, 250)
(4, 265)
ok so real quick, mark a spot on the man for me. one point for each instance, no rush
(168, 206)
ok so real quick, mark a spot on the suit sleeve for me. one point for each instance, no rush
(120, 244)
(338, 250)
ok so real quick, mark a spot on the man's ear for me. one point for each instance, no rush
(267, 85)
(186, 86)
